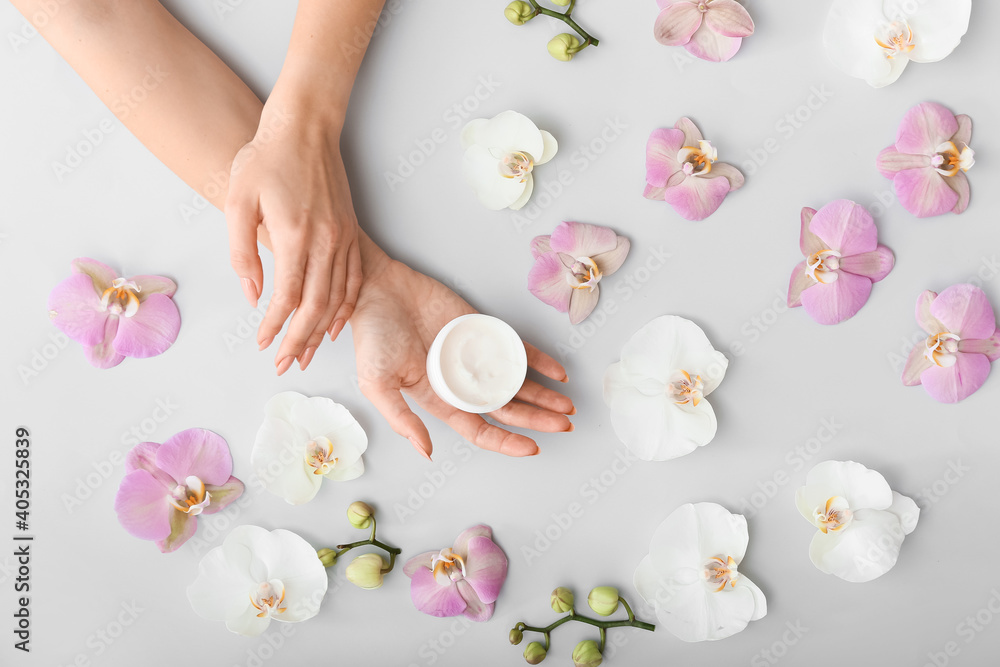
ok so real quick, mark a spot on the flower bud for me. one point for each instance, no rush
(561, 600)
(516, 636)
(519, 12)
(562, 47)
(365, 571)
(327, 556)
(359, 514)
(561, 3)
(586, 654)
(603, 600)
(534, 653)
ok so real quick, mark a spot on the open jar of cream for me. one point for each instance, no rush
(477, 363)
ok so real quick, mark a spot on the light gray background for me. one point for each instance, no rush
(729, 274)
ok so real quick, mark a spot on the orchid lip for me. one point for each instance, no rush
(940, 349)
(835, 515)
(121, 297)
(269, 598)
(822, 266)
(191, 497)
(584, 274)
(896, 38)
(319, 456)
(516, 165)
(697, 161)
(948, 160)
(719, 573)
(447, 567)
(684, 389)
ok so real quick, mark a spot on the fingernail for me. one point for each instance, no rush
(569, 430)
(250, 291)
(284, 364)
(565, 378)
(338, 326)
(264, 343)
(572, 412)
(419, 448)
(306, 357)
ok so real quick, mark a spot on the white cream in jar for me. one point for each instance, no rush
(477, 363)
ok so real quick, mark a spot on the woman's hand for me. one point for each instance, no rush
(290, 179)
(399, 313)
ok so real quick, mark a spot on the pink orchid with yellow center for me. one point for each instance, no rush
(682, 169)
(465, 579)
(843, 259)
(167, 486)
(709, 29)
(927, 164)
(955, 359)
(571, 262)
(115, 317)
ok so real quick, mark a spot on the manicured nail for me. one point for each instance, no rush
(250, 291)
(338, 326)
(264, 343)
(565, 378)
(419, 448)
(306, 357)
(572, 412)
(569, 430)
(285, 364)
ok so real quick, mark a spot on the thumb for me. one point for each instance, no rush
(242, 220)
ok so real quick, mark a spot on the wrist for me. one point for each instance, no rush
(320, 95)
(374, 260)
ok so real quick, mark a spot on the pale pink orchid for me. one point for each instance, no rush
(465, 579)
(115, 317)
(955, 359)
(927, 164)
(682, 169)
(709, 29)
(167, 486)
(843, 259)
(571, 262)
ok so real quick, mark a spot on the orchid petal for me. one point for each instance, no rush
(582, 240)
(278, 461)
(142, 507)
(142, 457)
(612, 260)
(582, 303)
(729, 18)
(75, 308)
(697, 198)
(507, 132)
(890, 161)
(959, 182)
(866, 551)
(547, 281)
(493, 190)
(862, 487)
(529, 186)
(103, 354)
(486, 568)
(925, 319)
(938, 25)
(849, 42)
(692, 135)
(541, 245)
(153, 285)
(669, 343)
(800, 282)
(916, 363)
(151, 330)
(809, 243)
(249, 624)
(432, 598)
(198, 452)
(476, 610)
(102, 275)
(835, 302)
(677, 23)
(958, 382)
(293, 560)
(906, 510)
(655, 193)
(182, 528)
(845, 227)
(661, 156)
(461, 545)
(990, 346)
(965, 311)
(727, 171)
(424, 560)
(964, 133)
(874, 265)
(220, 591)
(711, 46)
(925, 127)
(323, 417)
(696, 530)
(470, 133)
(223, 495)
(549, 148)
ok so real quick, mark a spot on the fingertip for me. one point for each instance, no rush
(251, 291)
(337, 327)
(285, 364)
(571, 428)
(306, 358)
(424, 449)
(572, 411)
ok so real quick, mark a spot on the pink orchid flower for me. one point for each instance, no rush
(682, 170)
(927, 164)
(843, 259)
(955, 359)
(465, 579)
(167, 486)
(571, 262)
(709, 29)
(115, 317)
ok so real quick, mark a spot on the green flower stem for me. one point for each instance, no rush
(631, 622)
(604, 638)
(371, 541)
(589, 40)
